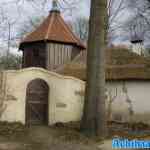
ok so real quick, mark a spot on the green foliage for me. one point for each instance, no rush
(9, 62)
(12, 129)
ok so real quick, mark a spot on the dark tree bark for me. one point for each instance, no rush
(94, 116)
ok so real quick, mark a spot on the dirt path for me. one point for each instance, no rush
(51, 138)
(45, 138)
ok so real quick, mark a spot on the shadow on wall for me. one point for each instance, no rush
(119, 105)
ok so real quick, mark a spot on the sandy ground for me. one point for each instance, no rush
(45, 138)
(51, 138)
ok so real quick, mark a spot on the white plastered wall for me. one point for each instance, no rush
(136, 91)
(66, 96)
(65, 102)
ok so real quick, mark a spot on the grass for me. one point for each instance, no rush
(12, 129)
(70, 132)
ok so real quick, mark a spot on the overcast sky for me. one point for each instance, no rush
(22, 11)
(26, 9)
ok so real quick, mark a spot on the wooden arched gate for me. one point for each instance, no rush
(37, 103)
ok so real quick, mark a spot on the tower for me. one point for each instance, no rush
(52, 44)
(137, 36)
(137, 45)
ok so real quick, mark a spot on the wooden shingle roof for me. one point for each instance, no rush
(53, 29)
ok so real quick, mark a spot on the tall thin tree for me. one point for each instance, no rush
(94, 116)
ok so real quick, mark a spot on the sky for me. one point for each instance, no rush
(19, 13)
(25, 9)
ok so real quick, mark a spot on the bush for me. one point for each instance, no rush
(8, 129)
(9, 62)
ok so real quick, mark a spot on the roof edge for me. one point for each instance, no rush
(52, 41)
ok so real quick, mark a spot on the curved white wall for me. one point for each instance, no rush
(66, 98)
(64, 102)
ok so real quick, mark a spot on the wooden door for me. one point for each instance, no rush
(37, 103)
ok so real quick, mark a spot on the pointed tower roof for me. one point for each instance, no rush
(53, 29)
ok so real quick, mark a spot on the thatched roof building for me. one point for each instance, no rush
(121, 64)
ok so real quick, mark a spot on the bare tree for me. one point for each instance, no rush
(81, 27)
(94, 116)
(116, 8)
(29, 25)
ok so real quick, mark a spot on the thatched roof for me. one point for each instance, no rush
(121, 64)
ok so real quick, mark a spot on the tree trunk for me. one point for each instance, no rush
(94, 116)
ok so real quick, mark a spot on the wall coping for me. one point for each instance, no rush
(45, 71)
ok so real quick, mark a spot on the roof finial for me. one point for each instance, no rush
(55, 6)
